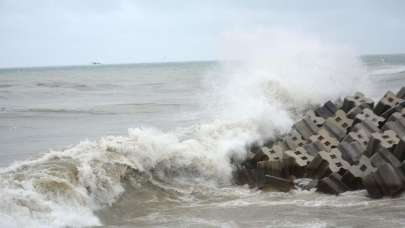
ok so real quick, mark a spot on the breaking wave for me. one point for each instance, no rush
(273, 76)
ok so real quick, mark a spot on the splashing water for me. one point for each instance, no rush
(248, 100)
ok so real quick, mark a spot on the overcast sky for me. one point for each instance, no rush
(57, 32)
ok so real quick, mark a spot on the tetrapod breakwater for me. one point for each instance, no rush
(350, 144)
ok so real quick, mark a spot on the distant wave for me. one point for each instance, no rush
(113, 109)
(6, 85)
(62, 84)
(66, 111)
(389, 70)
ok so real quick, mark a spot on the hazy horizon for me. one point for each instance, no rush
(152, 63)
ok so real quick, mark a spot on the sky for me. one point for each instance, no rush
(76, 32)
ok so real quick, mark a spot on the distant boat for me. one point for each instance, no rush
(95, 63)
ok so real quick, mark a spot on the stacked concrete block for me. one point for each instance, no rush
(299, 159)
(379, 141)
(368, 126)
(356, 110)
(327, 110)
(386, 181)
(338, 125)
(272, 167)
(279, 183)
(353, 178)
(351, 151)
(357, 100)
(275, 152)
(389, 101)
(306, 128)
(274, 164)
(399, 150)
(397, 115)
(382, 157)
(339, 147)
(325, 139)
(368, 114)
(315, 147)
(401, 93)
(332, 184)
(294, 140)
(317, 120)
(327, 162)
(396, 123)
(358, 135)
(396, 108)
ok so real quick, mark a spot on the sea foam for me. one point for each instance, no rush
(273, 76)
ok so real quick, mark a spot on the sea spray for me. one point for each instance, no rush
(249, 100)
(273, 70)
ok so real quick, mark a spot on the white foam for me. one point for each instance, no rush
(274, 70)
(277, 71)
(65, 187)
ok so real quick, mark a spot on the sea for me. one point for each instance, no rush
(153, 145)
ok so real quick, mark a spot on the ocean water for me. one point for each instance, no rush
(149, 145)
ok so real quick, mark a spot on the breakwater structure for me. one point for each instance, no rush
(350, 144)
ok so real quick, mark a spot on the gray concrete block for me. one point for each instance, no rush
(332, 185)
(306, 128)
(341, 119)
(390, 100)
(399, 150)
(396, 108)
(368, 114)
(368, 126)
(294, 140)
(398, 126)
(327, 110)
(334, 129)
(351, 151)
(358, 99)
(402, 167)
(327, 141)
(313, 148)
(392, 183)
(318, 121)
(401, 93)
(356, 110)
(338, 125)
(359, 136)
(327, 162)
(272, 167)
(299, 158)
(397, 115)
(279, 183)
(254, 155)
(372, 187)
(353, 178)
(385, 140)
(276, 151)
(383, 156)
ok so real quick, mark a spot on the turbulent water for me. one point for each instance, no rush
(156, 140)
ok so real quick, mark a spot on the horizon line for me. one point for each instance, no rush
(100, 64)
